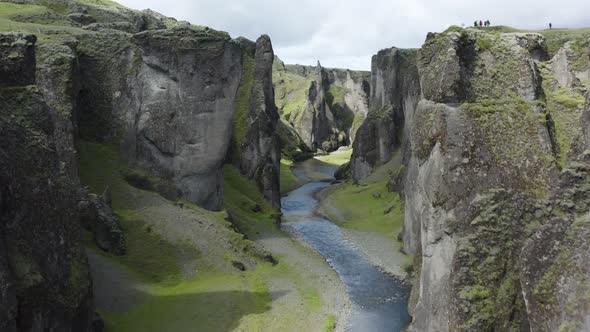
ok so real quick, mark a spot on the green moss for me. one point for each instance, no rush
(241, 195)
(148, 254)
(568, 98)
(26, 270)
(241, 123)
(46, 32)
(336, 158)
(290, 91)
(506, 126)
(330, 324)
(8, 10)
(335, 94)
(565, 106)
(483, 43)
(362, 207)
(213, 302)
(289, 181)
(489, 105)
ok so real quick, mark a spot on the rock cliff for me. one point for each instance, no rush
(493, 136)
(324, 106)
(44, 275)
(166, 90)
(174, 96)
(395, 92)
(180, 101)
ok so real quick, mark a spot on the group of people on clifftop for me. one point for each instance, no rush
(485, 23)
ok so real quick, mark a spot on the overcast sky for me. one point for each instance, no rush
(346, 33)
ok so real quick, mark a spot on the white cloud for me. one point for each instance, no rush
(346, 33)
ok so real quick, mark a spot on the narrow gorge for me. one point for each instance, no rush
(157, 175)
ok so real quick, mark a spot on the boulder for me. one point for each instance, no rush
(97, 217)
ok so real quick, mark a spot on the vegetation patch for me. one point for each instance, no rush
(289, 181)
(148, 254)
(242, 113)
(337, 158)
(369, 207)
(242, 199)
(290, 91)
(506, 126)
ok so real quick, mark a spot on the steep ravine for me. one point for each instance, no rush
(378, 300)
(140, 179)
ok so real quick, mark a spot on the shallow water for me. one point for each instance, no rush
(379, 300)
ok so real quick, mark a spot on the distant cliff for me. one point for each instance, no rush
(324, 106)
(494, 139)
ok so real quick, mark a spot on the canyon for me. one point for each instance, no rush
(146, 163)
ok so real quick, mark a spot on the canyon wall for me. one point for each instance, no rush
(395, 92)
(175, 96)
(44, 275)
(493, 137)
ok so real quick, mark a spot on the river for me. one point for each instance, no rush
(379, 301)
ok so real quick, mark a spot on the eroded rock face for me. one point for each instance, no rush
(58, 78)
(395, 94)
(260, 148)
(184, 93)
(176, 96)
(324, 106)
(459, 151)
(44, 280)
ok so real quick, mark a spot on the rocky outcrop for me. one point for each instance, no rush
(586, 123)
(180, 113)
(395, 92)
(324, 106)
(256, 121)
(176, 95)
(554, 275)
(459, 151)
(484, 126)
(58, 78)
(96, 216)
(44, 276)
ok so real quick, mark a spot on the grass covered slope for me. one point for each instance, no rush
(366, 207)
(371, 216)
(337, 158)
(178, 274)
(289, 181)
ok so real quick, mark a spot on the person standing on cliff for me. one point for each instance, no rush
(550, 26)
(475, 24)
(480, 23)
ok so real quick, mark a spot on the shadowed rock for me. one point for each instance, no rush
(17, 59)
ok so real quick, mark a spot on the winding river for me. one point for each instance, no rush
(378, 300)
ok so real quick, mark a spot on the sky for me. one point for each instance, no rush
(346, 33)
